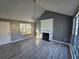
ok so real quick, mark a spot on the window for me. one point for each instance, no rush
(28, 28)
(25, 28)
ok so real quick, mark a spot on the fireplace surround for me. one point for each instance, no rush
(47, 35)
(47, 29)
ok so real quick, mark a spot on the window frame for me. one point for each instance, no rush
(25, 28)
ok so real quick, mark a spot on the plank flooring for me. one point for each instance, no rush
(34, 49)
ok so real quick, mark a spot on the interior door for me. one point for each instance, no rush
(5, 36)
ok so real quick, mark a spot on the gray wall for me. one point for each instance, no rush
(15, 29)
(62, 25)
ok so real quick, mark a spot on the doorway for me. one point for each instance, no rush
(5, 34)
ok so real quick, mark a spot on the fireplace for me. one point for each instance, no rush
(45, 36)
(47, 29)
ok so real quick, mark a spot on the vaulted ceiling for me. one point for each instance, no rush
(19, 9)
(23, 9)
(67, 7)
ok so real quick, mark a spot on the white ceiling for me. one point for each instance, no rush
(67, 7)
(19, 10)
(23, 9)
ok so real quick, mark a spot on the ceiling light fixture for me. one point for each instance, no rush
(34, 11)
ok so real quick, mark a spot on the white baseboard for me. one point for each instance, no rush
(20, 39)
(61, 42)
(5, 43)
(69, 47)
(17, 40)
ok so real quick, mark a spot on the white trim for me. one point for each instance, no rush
(60, 42)
(5, 43)
(17, 40)
(77, 14)
(72, 55)
(71, 52)
(20, 39)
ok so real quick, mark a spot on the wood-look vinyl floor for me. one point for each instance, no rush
(34, 49)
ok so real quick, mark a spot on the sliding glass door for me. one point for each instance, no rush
(75, 35)
(78, 42)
